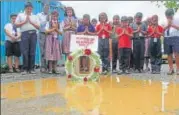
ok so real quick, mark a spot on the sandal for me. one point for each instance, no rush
(11, 70)
(171, 72)
(56, 72)
(17, 70)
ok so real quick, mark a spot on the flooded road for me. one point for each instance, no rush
(110, 96)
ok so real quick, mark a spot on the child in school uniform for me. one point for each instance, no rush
(12, 43)
(85, 29)
(103, 30)
(155, 32)
(124, 44)
(147, 43)
(115, 24)
(53, 54)
(69, 26)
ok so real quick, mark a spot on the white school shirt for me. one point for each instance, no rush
(26, 27)
(172, 32)
(43, 21)
(9, 27)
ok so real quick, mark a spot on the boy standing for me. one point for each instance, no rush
(124, 45)
(12, 43)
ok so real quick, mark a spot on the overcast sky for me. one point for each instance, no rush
(129, 8)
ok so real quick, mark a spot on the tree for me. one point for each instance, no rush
(169, 4)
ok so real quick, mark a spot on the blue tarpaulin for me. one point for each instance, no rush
(9, 7)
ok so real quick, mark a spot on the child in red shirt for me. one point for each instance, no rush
(103, 31)
(124, 45)
(155, 32)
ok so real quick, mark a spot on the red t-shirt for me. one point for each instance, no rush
(155, 35)
(103, 32)
(124, 41)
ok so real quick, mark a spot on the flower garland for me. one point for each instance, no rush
(96, 65)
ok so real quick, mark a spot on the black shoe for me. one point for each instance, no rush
(137, 71)
(114, 71)
(171, 72)
(120, 72)
(153, 72)
(157, 72)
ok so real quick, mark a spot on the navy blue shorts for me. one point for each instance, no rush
(171, 45)
(13, 49)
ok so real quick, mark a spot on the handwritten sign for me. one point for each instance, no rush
(83, 41)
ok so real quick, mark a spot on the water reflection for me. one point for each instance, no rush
(111, 96)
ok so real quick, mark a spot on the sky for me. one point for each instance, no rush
(129, 8)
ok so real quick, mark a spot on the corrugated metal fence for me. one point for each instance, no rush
(15, 7)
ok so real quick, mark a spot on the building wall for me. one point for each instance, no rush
(15, 7)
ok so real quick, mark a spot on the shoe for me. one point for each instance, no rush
(43, 70)
(157, 72)
(153, 72)
(147, 69)
(126, 72)
(114, 71)
(50, 72)
(17, 70)
(24, 73)
(137, 71)
(56, 72)
(142, 71)
(120, 72)
(105, 72)
(32, 72)
(11, 70)
(171, 72)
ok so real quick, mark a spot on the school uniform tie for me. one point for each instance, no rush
(15, 30)
(168, 31)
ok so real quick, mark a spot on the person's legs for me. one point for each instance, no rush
(127, 54)
(136, 54)
(17, 64)
(106, 54)
(152, 56)
(177, 62)
(147, 57)
(121, 61)
(101, 53)
(42, 39)
(9, 62)
(25, 50)
(50, 63)
(115, 54)
(17, 54)
(176, 52)
(33, 42)
(142, 51)
(168, 49)
(54, 66)
(158, 56)
(147, 63)
(9, 54)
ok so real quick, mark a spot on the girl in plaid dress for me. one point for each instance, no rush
(53, 53)
(69, 26)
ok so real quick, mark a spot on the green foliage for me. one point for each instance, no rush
(168, 4)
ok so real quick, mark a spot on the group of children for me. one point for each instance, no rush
(133, 41)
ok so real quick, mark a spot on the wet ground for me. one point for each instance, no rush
(135, 94)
